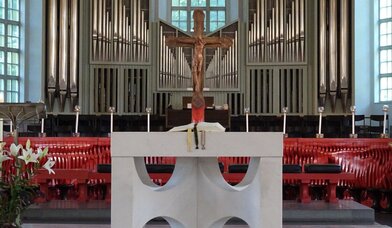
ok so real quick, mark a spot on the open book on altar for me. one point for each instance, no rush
(201, 126)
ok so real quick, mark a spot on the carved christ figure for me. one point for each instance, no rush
(198, 42)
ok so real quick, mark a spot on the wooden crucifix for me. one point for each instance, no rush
(198, 42)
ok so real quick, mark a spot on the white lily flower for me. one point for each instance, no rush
(2, 146)
(3, 158)
(48, 165)
(14, 149)
(28, 156)
(42, 153)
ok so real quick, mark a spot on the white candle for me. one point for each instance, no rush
(247, 119)
(353, 123)
(284, 119)
(11, 126)
(111, 122)
(385, 109)
(320, 110)
(385, 122)
(148, 110)
(111, 110)
(77, 122)
(42, 125)
(247, 122)
(148, 122)
(1, 129)
(320, 119)
(77, 110)
(352, 109)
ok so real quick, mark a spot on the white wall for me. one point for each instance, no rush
(366, 58)
(34, 51)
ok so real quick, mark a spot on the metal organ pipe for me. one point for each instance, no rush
(63, 52)
(52, 52)
(73, 65)
(95, 28)
(344, 51)
(302, 31)
(323, 54)
(333, 52)
(115, 29)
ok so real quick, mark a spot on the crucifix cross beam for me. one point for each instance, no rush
(198, 42)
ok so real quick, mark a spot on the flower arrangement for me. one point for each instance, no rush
(17, 167)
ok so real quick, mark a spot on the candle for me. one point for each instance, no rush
(284, 110)
(203, 140)
(11, 127)
(111, 110)
(320, 110)
(148, 110)
(111, 122)
(385, 109)
(353, 108)
(1, 129)
(77, 110)
(42, 125)
(247, 118)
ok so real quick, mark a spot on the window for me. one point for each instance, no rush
(9, 50)
(385, 49)
(182, 13)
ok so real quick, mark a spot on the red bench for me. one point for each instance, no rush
(80, 175)
(305, 179)
(107, 179)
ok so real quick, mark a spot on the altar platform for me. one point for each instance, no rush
(346, 213)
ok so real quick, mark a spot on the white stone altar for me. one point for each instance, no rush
(196, 196)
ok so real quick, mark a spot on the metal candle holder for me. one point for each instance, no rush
(353, 135)
(148, 110)
(320, 111)
(285, 110)
(111, 110)
(384, 135)
(246, 110)
(77, 110)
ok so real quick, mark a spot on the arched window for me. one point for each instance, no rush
(385, 49)
(182, 13)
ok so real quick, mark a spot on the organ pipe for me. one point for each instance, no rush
(63, 52)
(52, 52)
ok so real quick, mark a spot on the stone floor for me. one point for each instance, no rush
(166, 226)
(71, 214)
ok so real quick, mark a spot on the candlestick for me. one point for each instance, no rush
(352, 108)
(111, 110)
(1, 129)
(284, 110)
(247, 118)
(203, 140)
(148, 110)
(353, 135)
(77, 110)
(385, 109)
(42, 125)
(320, 110)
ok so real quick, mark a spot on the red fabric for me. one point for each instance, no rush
(198, 114)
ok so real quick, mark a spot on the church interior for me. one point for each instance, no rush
(311, 77)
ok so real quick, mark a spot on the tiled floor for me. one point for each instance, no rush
(166, 226)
